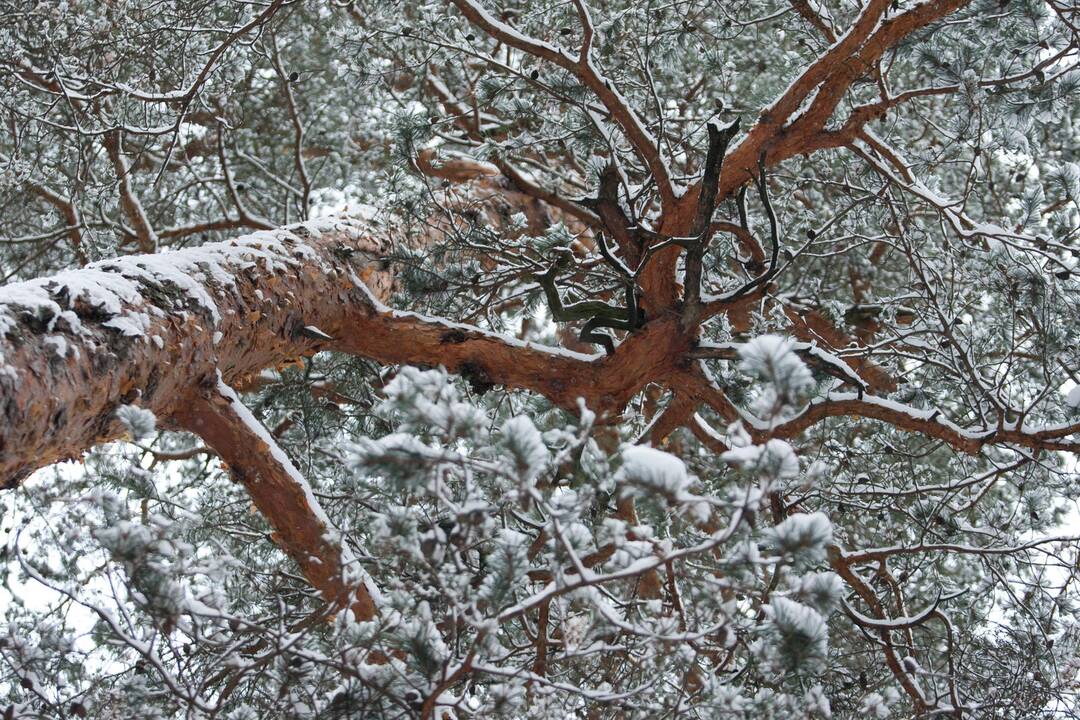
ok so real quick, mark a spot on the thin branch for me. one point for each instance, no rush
(645, 145)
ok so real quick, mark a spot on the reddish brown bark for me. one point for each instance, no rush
(272, 293)
(61, 386)
(300, 528)
(56, 406)
(781, 132)
(282, 295)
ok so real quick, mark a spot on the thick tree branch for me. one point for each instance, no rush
(149, 329)
(281, 494)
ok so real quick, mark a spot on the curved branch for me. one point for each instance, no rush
(902, 623)
(929, 423)
(133, 209)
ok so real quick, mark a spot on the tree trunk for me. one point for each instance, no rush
(153, 330)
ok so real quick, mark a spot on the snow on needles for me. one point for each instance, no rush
(647, 471)
(801, 634)
(803, 534)
(772, 358)
(775, 460)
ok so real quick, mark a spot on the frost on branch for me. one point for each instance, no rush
(514, 532)
(508, 564)
(426, 402)
(524, 447)
(821, 591)
(647, 472)
(1072, 399)
(654, 470)
(878, 706)
(774, 462)
(920, 240)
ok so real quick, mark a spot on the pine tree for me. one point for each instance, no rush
(516, 359)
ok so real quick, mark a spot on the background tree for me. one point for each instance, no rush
(645, 359)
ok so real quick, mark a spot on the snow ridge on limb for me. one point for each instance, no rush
(146, 329)
(301, 527)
